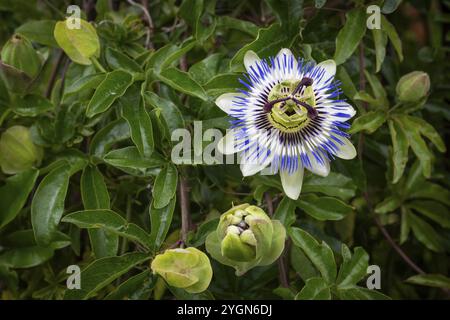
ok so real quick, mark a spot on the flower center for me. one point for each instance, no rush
(290, 105)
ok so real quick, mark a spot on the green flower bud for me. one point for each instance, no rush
(17, 152)
(245, 238)
(19, 53)
(413, 86)
(248, 237)
(188, 268)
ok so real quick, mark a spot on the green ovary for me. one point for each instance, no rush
(287, 116)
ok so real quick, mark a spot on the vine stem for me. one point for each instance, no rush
(394, 245)
(148, 19)
(183, 189)
(53, 74)
(282, 261)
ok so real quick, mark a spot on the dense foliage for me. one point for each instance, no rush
(87, 178)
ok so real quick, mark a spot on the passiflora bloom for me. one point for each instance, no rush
(288, 118)
(245, 238)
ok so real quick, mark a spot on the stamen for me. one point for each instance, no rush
(269, 104)
(304, 82)
(312, 112)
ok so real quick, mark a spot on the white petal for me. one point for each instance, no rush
(346, 151)
(288, 53)
(226, 144)
(251, 59)
(349, 109)
(225, 101)
(318, 168)
(330, 69)
(292, 183)
(251, 166)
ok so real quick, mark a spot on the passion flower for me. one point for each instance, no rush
(288, 118)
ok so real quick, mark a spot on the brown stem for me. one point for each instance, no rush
(282, 260)
(148, 19)
(53, 74)
(184, 205)
(394, 245)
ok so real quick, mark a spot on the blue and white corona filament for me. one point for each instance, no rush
(289, 118)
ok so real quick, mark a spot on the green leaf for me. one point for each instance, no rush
(109, 90)
(208, 68)
(223, 83)
(350, 35)
(400, 146)
(417, 144)
(334, 185)
(319, 3)
(432, 191)
(389, 204)
(347, 84)
(354, 269)
(425, 233)
(40, 31)
(368, 122)
(302, 265)
(14, 194)
(102, 272)
(314, 289)
(203, 231)
(168, 109)
(182, 81)
(80, 44)
(90, 81)
(48, 204)
(378, 89)
(130, 157)
(109, 221)
(359, 293)
(392, 34)
(138, 119)
(389, 6)
(119, 60)
(433, 210)
(93, 189)
(285, 212)
(430, 280)
(32, 105)
(323, 208)
(160, 220)
(167, 55)
(94, 194)
(137, 287)
(380, 41)
(405, 228)
(289, 14)
(109, 135)
(320, 254)
(268, 42)
(165, 186)
(228, 22)
(26, 257)
(428, 131)
(366, 97)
